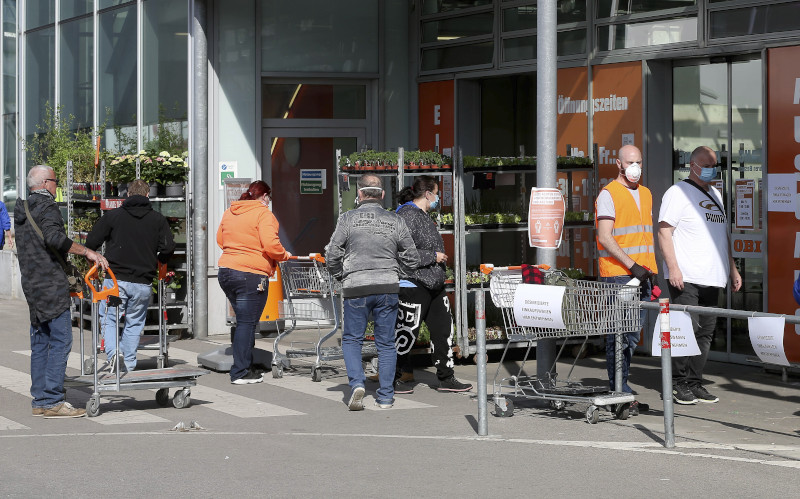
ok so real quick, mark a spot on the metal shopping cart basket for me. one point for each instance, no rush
(311, 300)
(588, 309)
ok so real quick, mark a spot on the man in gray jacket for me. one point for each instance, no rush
(366, 252)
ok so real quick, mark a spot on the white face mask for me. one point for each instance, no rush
(633, 172)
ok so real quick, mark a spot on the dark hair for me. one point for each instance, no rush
(422, 184)
(256, 190)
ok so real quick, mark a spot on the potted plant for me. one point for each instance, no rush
(412, 159)
(172, 283)
(174, 173)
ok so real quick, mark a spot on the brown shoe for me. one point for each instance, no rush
(374, 378)
(64, 410)
(406, 377)
(38, 411)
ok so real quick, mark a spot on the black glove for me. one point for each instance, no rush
(640, 273)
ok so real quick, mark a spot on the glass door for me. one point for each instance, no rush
(299, 165)
(720, 106)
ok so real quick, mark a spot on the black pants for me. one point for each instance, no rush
(418, 305)
(689, 370)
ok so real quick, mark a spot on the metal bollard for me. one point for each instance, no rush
(480, 347)
(666, 373)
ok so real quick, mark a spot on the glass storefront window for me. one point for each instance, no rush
(39, 76)
(524, 17)
(9, 56)
(437, 6)
(457, 27)
(165, 64)
(73, 8)
(647, 34)
(754, 20)
(76, 75)
(39, 13)
(569, 42)
(613, 8)
(474, 54)
(10, 161)
(320, 36)
(117, 66)
(304, 101)
(103, 4)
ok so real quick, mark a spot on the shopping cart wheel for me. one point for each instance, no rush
(277, 371)
(316, 374)
(622, 411)
(162, 397)
(557, 405)
(506, 412)
(181, 399)
(88, 366)
(93, 407)
(592, 415)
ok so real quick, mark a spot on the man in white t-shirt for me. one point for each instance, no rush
(625, 245)
(694, 240)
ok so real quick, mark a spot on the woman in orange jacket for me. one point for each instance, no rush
(248, 236)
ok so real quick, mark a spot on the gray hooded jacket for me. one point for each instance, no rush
(369, 249)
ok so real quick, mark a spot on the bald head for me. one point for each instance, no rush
(703, 155)
(370, 186)
(629, 155)
(37, 176)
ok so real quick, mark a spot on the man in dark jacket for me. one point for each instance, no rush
(367, 251)
(46, 289)
(137, 238)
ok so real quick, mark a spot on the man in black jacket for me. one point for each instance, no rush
(46, 289)
(137, 238)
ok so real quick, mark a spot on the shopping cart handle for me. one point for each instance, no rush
(103, 293)
(312, 256)
(162, 271)
(488, 268)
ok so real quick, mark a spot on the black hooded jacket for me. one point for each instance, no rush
(137, 238)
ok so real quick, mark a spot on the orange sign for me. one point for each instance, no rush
(546, 218)
(617, 113)
(436, 116)
(745, 189)
(783, 157)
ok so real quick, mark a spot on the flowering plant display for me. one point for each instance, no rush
(171, 281)
(160, 167)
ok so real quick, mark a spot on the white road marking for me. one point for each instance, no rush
(7, 424)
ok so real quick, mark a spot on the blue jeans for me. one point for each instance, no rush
(51, 342)
(248, 303)
(135, 300)
(384, 315)
(629, 340)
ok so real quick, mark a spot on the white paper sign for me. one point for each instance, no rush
(684, 344)
(766, 336)
(537, 305)
(782, 192)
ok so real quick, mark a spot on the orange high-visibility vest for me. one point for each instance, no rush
(633, 231)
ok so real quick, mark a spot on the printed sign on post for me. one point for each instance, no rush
(227, 169)
(312, 181)
(744, 203)
(766, 336)
(546, 218)
(782, 192)
(684, 344)
(537, 305)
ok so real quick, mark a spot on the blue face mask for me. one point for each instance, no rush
(435, 203)
(707, 174)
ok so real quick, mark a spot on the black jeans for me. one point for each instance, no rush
(417, 305)
(689, 370)
(248, 303)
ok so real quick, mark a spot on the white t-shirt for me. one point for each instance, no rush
(605, 203)
(701, 234)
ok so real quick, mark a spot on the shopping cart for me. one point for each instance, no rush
(311, 300)
(102, 380)
(588, 309)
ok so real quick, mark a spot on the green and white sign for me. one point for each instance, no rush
(227, 169)
(312, 181)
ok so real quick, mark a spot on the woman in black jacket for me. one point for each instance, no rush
(422, 294)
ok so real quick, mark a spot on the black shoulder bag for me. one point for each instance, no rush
(74, 277)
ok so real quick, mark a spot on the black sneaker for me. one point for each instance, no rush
(702, 395)
(248, 378)
(682, 395)
(403, 387)
(356, 401)
(451, 384)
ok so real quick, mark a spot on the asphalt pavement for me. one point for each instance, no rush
(292, 437)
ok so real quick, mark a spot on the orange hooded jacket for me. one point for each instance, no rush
(248, 236)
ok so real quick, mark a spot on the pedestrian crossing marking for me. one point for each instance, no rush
(7, 424)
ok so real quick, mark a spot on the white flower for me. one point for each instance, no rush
(164, 154)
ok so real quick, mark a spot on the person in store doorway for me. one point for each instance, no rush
(422, 294)
(625, 246)
(368, 251)
(42, 247)
(137, 238)
(695, 242)
(251, 250)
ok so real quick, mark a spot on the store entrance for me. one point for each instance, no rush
(299, 165)
(720, 106)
